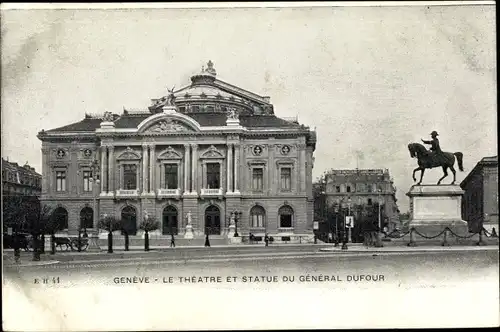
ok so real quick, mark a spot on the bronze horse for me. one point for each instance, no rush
(428, 159)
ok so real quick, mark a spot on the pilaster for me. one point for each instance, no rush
(104, 163)
(229, 157)
(186, 169)
(151, 169)
(144, 168)
(112, 171)
(194, 169)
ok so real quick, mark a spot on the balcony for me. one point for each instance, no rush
(209, 193)
(127, 193)
(169, 193)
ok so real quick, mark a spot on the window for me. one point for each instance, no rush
(171, 176)
(286, 216)
(257, 179)
(130, 177)
(370, 201)
(87, 182)
(348, 189)
(286, 178)
(257, 215)
(60, 180)
(213, 176)
(337, 189)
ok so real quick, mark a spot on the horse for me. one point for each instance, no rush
(428, 160)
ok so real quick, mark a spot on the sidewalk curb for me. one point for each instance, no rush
(41, 263)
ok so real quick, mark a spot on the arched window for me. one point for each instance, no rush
(129, 219)
(86, 218)
(61, 218)
(286, 217)
(170, 221)
(212, 220)
(257, 217)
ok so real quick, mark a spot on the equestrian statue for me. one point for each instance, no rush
(434, 157)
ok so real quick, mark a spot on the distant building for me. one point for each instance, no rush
(20, 184)
(20, 180)
(364, 187)
(480, 201)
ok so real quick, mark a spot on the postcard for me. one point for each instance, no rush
(192, 166)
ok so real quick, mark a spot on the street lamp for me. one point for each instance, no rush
(94, 167)
(336, 237)
(237, 216)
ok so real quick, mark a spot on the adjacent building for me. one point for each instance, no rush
(209, 154)
(20, 184)
(20, 180)
(363, 188)
(480, 200)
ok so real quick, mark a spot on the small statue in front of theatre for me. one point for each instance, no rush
(434, 157)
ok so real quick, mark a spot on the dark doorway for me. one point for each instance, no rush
(170, 221)
(61, 218)
(129, 220)
(212, 220)
(86, 218)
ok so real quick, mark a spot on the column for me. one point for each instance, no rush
(236, 167)
(144, 168)
(152, 168)
(303, 168)
(45, 170)
(194, 169)
(229, 157)
(186, 169)
(104, 162)
(111, 170)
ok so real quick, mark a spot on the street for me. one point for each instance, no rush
(289, 287)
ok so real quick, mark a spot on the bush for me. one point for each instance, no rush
(149, 224)
(109, 223)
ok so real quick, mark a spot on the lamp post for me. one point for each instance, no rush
(237, 216)
(336, 237)
(94, 167)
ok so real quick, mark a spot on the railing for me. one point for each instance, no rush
(211, 192)
(169, 193)
(127, 192)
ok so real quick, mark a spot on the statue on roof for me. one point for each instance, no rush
(170, 101)
(108, 117)
(210, 68)
(232, 114)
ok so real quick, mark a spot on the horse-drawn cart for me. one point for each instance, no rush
(72, 243)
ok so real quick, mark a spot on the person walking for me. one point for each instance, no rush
(207, 241)
(266, 240)
(172, 241)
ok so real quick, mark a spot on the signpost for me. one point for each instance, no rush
(349, 223)
(315, 225)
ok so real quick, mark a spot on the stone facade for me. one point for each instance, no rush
(209, 149)
(364, 187)
(480, 201)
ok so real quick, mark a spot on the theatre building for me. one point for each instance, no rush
(209, 154)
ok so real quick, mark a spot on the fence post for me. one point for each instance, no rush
(445, 237)
(481, 242)
(412, 238)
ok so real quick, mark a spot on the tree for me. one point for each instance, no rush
(110, 224)
(38, 219)
(149, 223)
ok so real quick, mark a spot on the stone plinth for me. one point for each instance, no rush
(435, 207)
(189, 232)
(230, 232)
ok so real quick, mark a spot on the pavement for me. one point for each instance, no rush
(235, 252)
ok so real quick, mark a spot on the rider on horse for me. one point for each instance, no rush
(435, 150)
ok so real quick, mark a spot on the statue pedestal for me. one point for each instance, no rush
(435, 207)
(189, 232)
(230, 232)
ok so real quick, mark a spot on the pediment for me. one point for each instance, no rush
(212, 152)
(129, 154)
(169, 153)
(168, 125)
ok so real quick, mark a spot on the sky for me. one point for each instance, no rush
(369, 80)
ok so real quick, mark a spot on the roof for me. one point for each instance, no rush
(204, 119)
(486, 161)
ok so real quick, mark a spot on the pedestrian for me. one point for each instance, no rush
(250, 238)
(172, 241)
(266, 240)
(207, 241)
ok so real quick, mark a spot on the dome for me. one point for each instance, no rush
(207, 94)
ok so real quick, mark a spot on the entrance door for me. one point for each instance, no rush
(129, 219)
(212, 220)
(170, 225)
